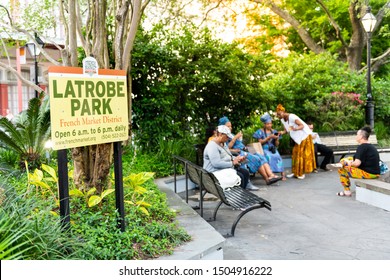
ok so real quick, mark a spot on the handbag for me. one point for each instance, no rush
(227, 178)
(383, 167)
(271, 144)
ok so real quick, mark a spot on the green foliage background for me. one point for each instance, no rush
(185, 81)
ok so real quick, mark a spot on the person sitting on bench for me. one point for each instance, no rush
(216, 156)
(269, 139)
(255, 162)
(324, 150)
(363, 165)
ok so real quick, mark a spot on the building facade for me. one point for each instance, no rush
(15, 95)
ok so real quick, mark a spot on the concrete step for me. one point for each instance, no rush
(374, 192)
(206, 243)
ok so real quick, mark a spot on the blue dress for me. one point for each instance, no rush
(254, 161)
(274, 160)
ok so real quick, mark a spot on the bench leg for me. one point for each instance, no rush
(199, 206)
(216, 210)
(239, 218)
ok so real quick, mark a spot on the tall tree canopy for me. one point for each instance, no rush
(335, 26)
(276, 25)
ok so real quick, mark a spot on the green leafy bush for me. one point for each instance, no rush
(299, 78)
(159, 159)
(381, 94)
(31, 205)
(337, 111)
(382, 133)
(8, 158)
(147, 235)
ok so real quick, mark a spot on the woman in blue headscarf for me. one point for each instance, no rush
(255, 162)
(269, 139)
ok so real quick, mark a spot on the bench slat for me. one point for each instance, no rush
(242, 199)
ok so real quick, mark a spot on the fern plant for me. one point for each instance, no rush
(28, 132)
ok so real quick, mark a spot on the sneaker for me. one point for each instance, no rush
(326, 169)
(335, 165)
(251, 187)
(301, 177)
(290, 175)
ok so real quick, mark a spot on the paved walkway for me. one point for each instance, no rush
(307, 222)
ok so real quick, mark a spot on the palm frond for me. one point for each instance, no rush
(29, 131)
(10, 137)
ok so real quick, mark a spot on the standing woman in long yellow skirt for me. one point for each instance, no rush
(303, 157)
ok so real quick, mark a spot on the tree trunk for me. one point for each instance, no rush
(92, 163)
(356, 45)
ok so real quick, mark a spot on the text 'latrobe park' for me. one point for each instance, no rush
(90, 98)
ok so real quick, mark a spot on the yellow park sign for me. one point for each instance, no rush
(87, 108)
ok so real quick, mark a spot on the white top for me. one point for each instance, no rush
(316, 138)
(297, 135)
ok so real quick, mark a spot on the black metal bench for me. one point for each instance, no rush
(235, 197)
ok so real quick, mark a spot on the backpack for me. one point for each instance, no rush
(383, 167)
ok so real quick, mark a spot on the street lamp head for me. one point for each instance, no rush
(32, 48)
(369, 21)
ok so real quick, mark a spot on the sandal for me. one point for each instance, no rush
(273, 180)
(344, 194)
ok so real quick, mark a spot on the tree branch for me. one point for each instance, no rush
(381, 14)
(334, 23)
(136, 12)
(20, 77)
(378, 61)
(209, 10)
(72, 30)
(305, 36)
(8, 14)
(79, 24)
(121, 18)
(32, 38)
(5, 50)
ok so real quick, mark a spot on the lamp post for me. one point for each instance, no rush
(35, 52)
(369, 22)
